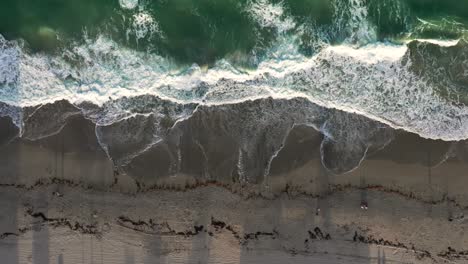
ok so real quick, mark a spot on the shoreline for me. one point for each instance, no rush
(63, 194)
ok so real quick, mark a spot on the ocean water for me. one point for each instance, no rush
(401, 62)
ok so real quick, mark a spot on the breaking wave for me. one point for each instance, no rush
(406, 83)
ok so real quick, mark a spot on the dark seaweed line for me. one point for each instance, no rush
(251, 195)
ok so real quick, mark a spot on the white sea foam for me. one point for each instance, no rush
(352, 15)
(271, 15)
(439, 42)
(128, 4)
(143, 26)
(9, 66)
(370, 80)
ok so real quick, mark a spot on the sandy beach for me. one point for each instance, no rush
(190, 200)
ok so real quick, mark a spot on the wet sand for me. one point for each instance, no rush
(295, 197)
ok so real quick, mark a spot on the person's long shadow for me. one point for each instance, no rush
(363, 205)
(40, 242)
(60, 259)
(201, 243)
(129, 256)
(10, 155)
(8, 228)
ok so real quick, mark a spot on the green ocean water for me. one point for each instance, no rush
(203, 31)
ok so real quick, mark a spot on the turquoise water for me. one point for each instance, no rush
(204, 31)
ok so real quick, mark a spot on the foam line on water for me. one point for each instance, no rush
(369, 80)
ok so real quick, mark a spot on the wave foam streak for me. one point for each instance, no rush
(377, 80)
